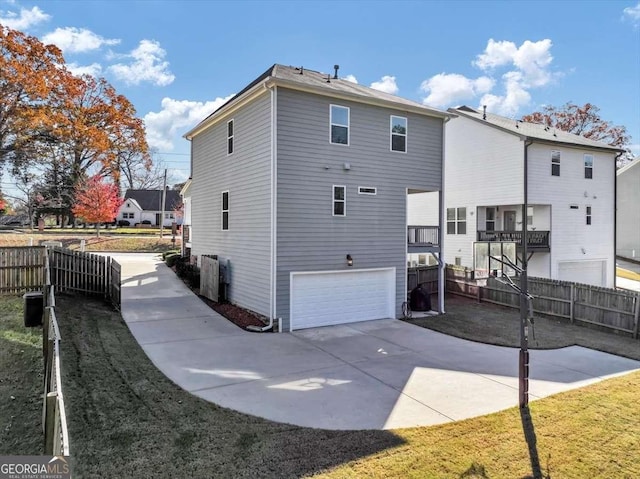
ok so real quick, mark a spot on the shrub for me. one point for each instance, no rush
(193, 275)
(167, 253)
(172, 259)
(124, 223)
(146, 222)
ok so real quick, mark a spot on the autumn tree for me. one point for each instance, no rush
(584, 121)
(97, 201)
(31, 74)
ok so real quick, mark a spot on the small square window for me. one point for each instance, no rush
(339, 201)
(588, 166)
(588, 215)
(230, 137)
(398, 133)
(339, 124)
(225, 210)
(555, 163)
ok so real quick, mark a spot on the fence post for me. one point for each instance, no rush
(572, 304)
(51, 405)
(479, 292)
(636, 315)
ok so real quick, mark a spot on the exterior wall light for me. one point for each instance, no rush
(349, 260)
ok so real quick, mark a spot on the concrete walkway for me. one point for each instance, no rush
(371, 375)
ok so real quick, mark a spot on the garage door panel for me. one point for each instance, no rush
(337, 297)
(587, 272)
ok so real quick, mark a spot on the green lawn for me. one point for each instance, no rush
(93, 243)
(128, 420)
(21, 382)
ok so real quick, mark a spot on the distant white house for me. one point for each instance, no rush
(628, 211)
(491, 163)
(145, 207)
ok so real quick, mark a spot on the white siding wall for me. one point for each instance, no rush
(570, 234)
(246, 174)
(484, 166)
(628, 225)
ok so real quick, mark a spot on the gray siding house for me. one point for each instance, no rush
(301, 182)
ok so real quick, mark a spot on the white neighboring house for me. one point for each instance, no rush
(570, 192)
(628, 211)
(145, 206)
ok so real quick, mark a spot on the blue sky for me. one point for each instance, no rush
(177, 61)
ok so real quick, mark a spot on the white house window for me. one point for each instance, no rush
(367, 190)
(456, 221)
(555, 163)
(168, 216)
(225, 210)
(491, 219)
(339, 125)
(339, 201)
(529, 215)
(128, 216)
(588, 166)
(229, 137)
(398, 133)
(588, 215)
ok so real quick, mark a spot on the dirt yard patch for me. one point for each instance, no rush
(120, 243)
(492, 324)
(21, 381)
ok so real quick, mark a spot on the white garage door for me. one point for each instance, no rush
(338, 297)
(587, 272)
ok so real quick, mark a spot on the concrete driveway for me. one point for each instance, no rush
(372, 375)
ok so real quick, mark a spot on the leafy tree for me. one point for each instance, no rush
(31, 74)
(584, 121)
(97, 201)
(3, 205)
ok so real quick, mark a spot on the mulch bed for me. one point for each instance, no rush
(239, 316)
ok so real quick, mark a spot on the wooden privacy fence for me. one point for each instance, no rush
(85, 273)
(426, 275)
(581, 303)
(54, 419)
(21, 269)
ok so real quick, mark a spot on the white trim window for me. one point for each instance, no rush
(230, 137)
(457, 221)
(339, 124)
(490, 219)
(367, 190)
(225, 210)
(587, 215)
(555, 163)
(339, 200)
(398, 132)
(588, 166)
(529, 215)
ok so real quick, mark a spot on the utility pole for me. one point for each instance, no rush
(164, 199)
(523, 376)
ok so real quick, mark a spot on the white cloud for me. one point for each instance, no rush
(632, 14)
(77, 40)
(24, 19)
(528, 66)
(515, 96)
(351, 78)
(147, 65)
(175, 117)
(386, 84)
(95, 69)
(447, 88)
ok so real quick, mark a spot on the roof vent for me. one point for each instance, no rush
(328, 77)
(301, 70)
(335, 71)
(484, 112)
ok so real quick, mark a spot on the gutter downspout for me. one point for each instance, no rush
(273, 207)
(441, 263)
(615, 215)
